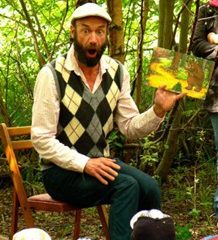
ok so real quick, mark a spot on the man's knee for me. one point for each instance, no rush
(128, 183)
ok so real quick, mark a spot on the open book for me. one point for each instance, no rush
(180, 72)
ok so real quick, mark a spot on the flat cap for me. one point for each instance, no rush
(90, 9)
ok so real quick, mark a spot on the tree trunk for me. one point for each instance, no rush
(165, 32)
(197, 5)
(116, 35)
(4, 113)
(183, 41)
(171, 145)
(174, 131)
(162, 7)
(168, 24)
(143, 20)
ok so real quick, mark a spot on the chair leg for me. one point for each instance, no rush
(104, 220)
(76, 231)
(14, 219)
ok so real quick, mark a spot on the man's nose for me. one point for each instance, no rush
(93, 37)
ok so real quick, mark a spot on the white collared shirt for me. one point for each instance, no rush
(46, 108)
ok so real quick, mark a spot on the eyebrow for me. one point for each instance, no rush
(88, 26)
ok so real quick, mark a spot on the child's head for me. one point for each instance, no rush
(152, 225)
(31, 234)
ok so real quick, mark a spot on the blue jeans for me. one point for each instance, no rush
(130, 192)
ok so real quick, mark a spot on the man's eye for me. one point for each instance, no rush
(85, 31)
(100, 32)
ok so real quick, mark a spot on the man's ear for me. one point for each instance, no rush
(72, 31)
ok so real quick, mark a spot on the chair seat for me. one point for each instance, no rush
(47, 203)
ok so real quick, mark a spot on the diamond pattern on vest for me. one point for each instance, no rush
(74, 129)
(71, 100)
(60, 68)
(112, 95)
(86, 118)
(113, 69)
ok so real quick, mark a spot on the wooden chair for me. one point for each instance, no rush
(43, 202)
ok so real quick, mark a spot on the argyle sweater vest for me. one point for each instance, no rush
(86, 118)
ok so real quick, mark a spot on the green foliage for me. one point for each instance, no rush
(31, 172)
(19, 62)
(195, 213)
(116, 142)
(177, 87)
(149, 157)
(131, 13)
(116, 139)
(191, 189)
(183, 232)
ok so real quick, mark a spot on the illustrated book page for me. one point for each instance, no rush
(180, 72)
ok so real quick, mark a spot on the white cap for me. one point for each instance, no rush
(90, 9)
(153, 213)
(31, 234)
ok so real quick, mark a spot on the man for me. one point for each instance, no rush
(74, 110)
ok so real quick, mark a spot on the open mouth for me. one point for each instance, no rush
(92, 53)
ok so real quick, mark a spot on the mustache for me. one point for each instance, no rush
(91, 48)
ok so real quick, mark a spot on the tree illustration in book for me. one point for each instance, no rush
(180, 72)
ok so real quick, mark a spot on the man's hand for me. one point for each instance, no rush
(103, 169)
(165, 100)
(212, 38)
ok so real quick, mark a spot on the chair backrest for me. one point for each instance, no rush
(13, 139)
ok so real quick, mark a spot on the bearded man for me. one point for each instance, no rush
(77, 99)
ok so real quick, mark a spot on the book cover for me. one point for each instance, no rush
(180, 72)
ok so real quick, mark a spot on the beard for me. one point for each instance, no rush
(81, 53)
